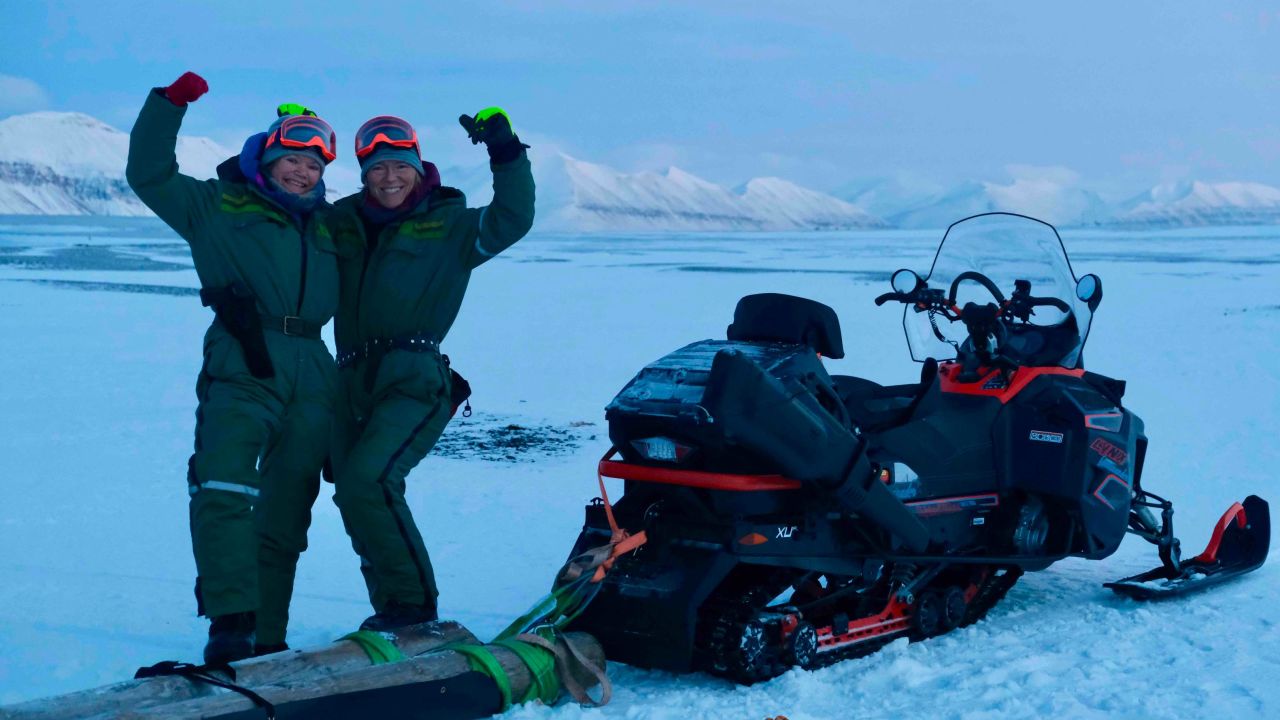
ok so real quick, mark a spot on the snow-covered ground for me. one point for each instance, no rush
(100, 345)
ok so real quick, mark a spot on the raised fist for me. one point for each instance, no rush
(185, 89)
(490, 126)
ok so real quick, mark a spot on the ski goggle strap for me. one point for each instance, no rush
(294, 109)
(385, 130)
(303, 132)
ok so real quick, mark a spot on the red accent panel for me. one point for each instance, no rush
(940, 506)
(1097, 492)
(695, 478)
(1236, 513)
(1022, 377)
(893, 619)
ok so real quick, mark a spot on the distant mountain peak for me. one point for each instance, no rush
(598, 197)
(70, 163)
(1195, 202)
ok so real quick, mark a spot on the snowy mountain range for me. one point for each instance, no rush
(54, 163)
(588, 197)
(1188, 204)
(72, 164)
(1051, 194)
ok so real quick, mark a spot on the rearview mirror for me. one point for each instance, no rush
(905, 281)
(1089, 290)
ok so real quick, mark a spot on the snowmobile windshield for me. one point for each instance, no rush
(1004, 248)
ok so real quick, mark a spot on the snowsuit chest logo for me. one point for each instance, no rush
(424, 229)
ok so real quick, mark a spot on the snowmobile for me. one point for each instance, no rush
(797, 518)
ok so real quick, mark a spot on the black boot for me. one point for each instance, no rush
(269, 649)
(397, 615)
(230, 638)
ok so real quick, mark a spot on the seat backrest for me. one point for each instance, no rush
(774, 317)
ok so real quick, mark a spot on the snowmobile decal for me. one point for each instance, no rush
(1046, 436)
(1110, 452)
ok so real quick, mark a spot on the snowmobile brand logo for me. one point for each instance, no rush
(1110, 452)
(1046, 436)
(786, 531)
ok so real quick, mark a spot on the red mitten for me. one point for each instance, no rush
(185, 89)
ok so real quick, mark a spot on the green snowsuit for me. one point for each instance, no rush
(408, 285)
(259, 443)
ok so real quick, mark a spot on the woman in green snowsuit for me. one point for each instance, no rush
(407, 247)
(268, 267)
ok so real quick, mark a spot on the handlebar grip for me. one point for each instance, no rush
(1052, 302)
(890, 296)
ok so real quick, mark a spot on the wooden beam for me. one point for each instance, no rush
(315, 666)
(433, 666)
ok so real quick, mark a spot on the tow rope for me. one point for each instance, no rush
(204, 674)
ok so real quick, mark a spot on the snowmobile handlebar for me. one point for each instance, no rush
(1019, 306)
(924, 299)
(979, 278)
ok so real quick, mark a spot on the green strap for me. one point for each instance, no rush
(542, 666)
(379, 649)
(558, 608)
(482, 660)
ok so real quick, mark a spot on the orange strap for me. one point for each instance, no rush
(621, 542)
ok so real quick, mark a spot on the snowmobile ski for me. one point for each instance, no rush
(1239, 545)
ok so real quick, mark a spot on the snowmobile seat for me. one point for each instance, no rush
(774, 317)
(875, 407)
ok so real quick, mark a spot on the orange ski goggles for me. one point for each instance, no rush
(385, 130)
(303, 132)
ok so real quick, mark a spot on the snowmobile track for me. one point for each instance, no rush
(735, 625)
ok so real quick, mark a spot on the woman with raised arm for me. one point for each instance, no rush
(268, 268)
(408, 246)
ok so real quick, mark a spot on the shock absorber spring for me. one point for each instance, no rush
(901, 574)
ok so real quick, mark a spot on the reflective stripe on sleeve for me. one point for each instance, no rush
(224, 486)
(480, 233)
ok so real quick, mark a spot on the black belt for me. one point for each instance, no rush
(291, 325)
(378, 347)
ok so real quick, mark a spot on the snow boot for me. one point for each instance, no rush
(230, 638)
(397, 615)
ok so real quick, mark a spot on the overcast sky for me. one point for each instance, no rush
(1126, 94)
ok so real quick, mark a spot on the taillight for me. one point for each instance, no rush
(662, 449)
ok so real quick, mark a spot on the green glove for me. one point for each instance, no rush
(294, 109)
(492, 127)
